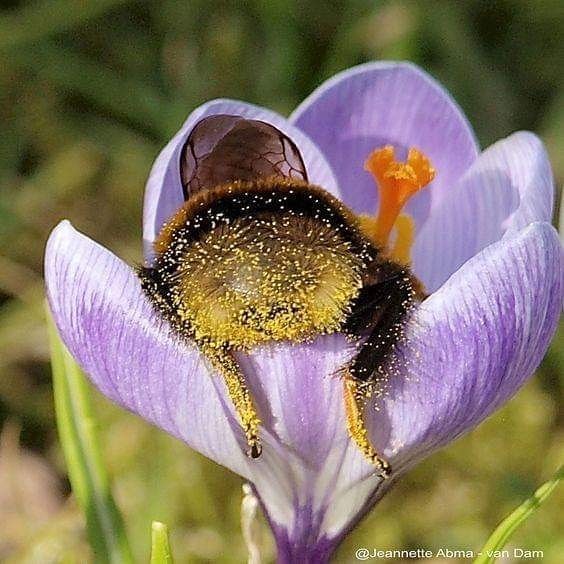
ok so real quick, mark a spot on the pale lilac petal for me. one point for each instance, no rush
(302, 407)
(110, 328)
(529, 170)
(303, 388)
(376, 104)
(163, 193)
(473, 343)
(509, 186)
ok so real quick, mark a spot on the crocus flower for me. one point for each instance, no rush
(484, 250)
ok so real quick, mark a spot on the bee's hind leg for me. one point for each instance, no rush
(380, 309)
(357, 395)
(240, 396)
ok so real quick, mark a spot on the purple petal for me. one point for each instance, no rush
(473, 343)
(109, 326)
(509, 186)
(302, 387)
(163, 194)
(302, 407)
(377, 104)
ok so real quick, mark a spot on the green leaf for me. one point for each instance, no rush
(507, 527)
(79, 440)
(160, 546)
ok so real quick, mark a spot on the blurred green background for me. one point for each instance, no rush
(90, 90)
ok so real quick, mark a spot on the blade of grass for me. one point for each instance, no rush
(40, 19)
(138, 102)
(160, 546)
(125, 97)
(507, 527)
(77, 433)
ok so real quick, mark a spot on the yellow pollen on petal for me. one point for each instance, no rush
(397, 183)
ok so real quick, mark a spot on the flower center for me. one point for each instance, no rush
(397, 183)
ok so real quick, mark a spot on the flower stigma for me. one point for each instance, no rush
(397, 183)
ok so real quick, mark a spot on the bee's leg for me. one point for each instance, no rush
(241, 398)
(357, 394)
(381, 309)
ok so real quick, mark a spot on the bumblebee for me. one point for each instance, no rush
(257, 254)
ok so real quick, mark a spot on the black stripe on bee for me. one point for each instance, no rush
(273, 197)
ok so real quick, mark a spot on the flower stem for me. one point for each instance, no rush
(79, 440)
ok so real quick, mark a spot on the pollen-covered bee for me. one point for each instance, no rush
(257, 254)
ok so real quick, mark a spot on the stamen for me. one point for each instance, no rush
(397, 182)
(405, 235)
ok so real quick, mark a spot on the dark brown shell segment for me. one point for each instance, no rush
(225, 148)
